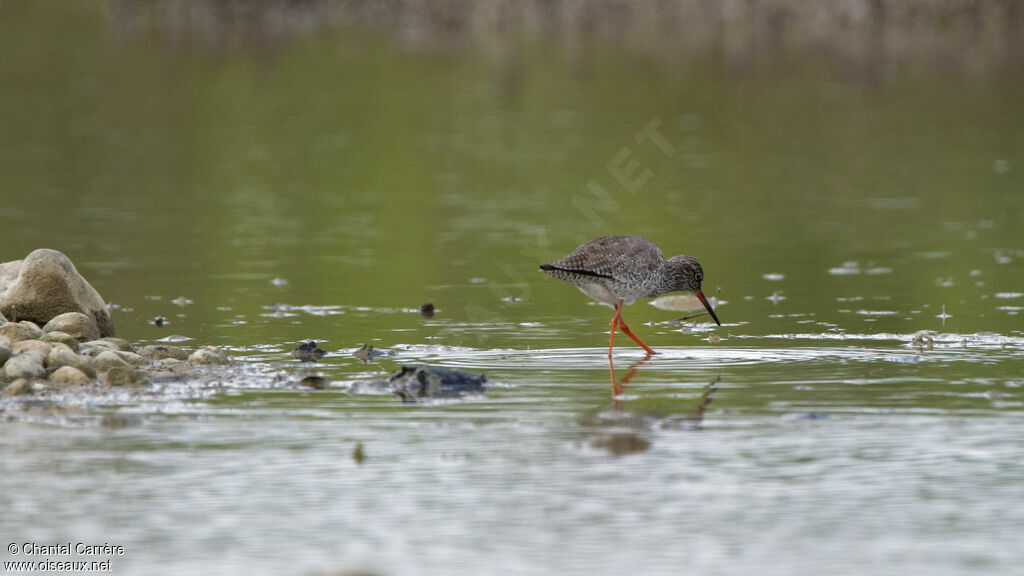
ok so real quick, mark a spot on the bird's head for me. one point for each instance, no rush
(687, 276)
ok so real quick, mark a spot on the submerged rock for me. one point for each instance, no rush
(420, 381)
(125, 376)
(75, 324)
(208, 355)
(46, 284)
(161, 351)
(308, 352)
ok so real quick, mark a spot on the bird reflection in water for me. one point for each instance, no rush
(618, 387)
(622, 432)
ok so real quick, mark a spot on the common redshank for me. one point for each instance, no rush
(616, 270)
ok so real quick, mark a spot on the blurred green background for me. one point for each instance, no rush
(185, 150)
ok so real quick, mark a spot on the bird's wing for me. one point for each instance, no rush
(612, 257)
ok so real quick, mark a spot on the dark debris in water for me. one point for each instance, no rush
(367, 353)
(314, 381)
(427, 310)
(308, 352)
(924, 341)
(417, 382)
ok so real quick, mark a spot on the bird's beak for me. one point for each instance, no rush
(704, 301)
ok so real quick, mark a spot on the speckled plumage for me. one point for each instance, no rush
(614, 268)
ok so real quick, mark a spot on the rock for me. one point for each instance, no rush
(86, 368)
(96, 347)
(69, 376)
(76, 324)
(27, 365)
(108, 360)
(46, 284)
(61, 337)
(170, 363)
(33, 329)
(5, 353)
(15, 332)
(19, 387)
(119, 343)
(132, 358)
(208, 355)
(170, 370)
(3, 319)
(26, 345)
(125, 376)
(308, 352)
(62, 355)
(161, 351)
(421, 381)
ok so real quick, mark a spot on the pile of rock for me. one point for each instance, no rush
(68, 352)
(75, 345)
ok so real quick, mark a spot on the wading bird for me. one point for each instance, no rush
(616, 270)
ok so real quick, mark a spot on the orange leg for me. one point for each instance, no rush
(611, 343)
(615, 324)
(622, 324)
(611, 370)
